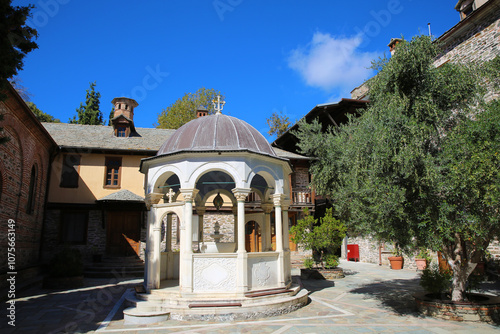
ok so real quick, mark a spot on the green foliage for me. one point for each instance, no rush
(421, 164)
(111, 115)
(309, 263)
(89, 113)
(67, 263)
(278, 124)
(184, 109)
(323, 236)
(435, 281)
(16, 41)
(331, 261)
(423, 253)
(16, 38)
(40, 115)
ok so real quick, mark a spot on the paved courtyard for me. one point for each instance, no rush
(370, 299)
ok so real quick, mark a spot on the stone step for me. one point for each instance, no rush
(135, 316)
(113, 273)
(117, 267)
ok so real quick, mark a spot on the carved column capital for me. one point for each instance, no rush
(200, 210)
(267, 207)
(277, 199)
(152, 198)
(285, 204)
(241, 193)
(189, 194)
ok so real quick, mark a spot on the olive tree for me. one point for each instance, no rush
(420, 166)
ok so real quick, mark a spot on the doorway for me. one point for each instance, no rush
(123, 233)
(252, 237)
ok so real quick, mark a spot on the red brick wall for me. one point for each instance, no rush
(29, 145)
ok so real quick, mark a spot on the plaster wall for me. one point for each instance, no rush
(92, 172)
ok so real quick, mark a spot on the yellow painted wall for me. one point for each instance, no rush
(91, 182)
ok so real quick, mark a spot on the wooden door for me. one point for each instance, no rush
(123, 232)
(252, 237)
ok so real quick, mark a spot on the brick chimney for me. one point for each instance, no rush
(124, 106)
(392, 44)
(200, 112)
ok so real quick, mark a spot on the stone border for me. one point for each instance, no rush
(328, 274)
(486, 311)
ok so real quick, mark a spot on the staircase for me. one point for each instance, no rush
(115, 267)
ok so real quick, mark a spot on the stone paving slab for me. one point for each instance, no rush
(370, 299)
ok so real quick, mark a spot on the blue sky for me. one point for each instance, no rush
(265, 56)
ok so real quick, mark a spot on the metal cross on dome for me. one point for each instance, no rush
(218, 105)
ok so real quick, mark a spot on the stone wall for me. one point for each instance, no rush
(226, 222)
(478, 42)
(28, 148)
(372, 251)
(96, 235)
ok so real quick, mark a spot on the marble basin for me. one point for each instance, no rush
(217, 247)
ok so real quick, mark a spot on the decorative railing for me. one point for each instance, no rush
(301, 196)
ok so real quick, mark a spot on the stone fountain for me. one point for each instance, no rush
(216, 246)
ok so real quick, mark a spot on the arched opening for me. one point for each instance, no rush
(216, 223)
(252, 237)
(170, 189)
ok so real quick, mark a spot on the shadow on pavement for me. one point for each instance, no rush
(396, 294)
(41, 310)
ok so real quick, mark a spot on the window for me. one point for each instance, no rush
(121, 131)
(31, 193)
(69, 175)
(74, 227)
(113, 171)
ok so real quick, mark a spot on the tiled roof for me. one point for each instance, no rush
(101, 137)
(289, 155)
(122, 195)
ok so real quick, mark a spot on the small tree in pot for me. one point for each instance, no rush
(322, 237)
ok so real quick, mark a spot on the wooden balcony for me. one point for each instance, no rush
(302, 197)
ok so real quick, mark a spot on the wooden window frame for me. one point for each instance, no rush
(107, 160)
(122, 129)
(63, 184)
(63, 225)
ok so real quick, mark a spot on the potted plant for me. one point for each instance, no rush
(422, 259)
(397, 260)
(323, 237)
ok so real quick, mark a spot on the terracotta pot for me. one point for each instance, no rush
(421, 264)
(396, 262)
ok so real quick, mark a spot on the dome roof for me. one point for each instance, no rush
(216, 133)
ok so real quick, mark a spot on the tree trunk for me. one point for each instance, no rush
(459, 256)
(461, 272)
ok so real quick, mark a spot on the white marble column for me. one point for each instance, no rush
(277, 198)
(241, 264)
(168, 237)
(285, 204)
(152, 256)
(200, 210)
(235, 230)
(266, 229)
(186, 251)
(278, 221)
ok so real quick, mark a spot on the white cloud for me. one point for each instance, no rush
(331, 63)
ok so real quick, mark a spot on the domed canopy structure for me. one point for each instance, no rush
(217, 133)
(239, 186)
